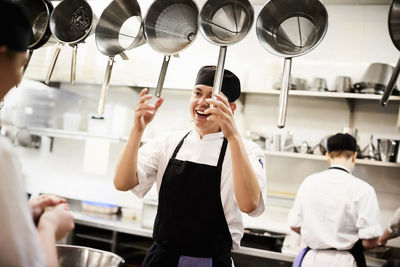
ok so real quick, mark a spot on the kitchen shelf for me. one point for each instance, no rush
(320, 157)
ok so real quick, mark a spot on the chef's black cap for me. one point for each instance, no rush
(340, 142)
(230, 83)
(15, 28)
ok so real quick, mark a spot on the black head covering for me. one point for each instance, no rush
(15, 29)
(230, 83)
(341, 141)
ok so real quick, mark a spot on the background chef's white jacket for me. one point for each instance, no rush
(154, 157)
(334, 209)
(20, 244)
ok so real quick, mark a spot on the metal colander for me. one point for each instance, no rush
(170, 26)
(224, 23)
(289, 28)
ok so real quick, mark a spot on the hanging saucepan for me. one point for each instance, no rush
(289, 28)
(39, 16)
(71, 22)
(223, 23)
(120, 28)
(394, 31)
(170, 26)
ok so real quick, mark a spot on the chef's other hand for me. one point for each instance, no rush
(39, 204)
(145, 111)
(58, 221)
(222, 113)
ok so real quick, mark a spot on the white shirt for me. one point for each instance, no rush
(20, 244)
(154, 157)
(334, 209)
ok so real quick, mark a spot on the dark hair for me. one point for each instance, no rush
(340, 143)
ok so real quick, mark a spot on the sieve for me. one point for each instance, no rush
(120, 28)
(225, 23)
(70, 23)
(290, 28)
(170, 26)
(394, 31)
(38, 12)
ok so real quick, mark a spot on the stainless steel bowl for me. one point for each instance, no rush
(77, 256)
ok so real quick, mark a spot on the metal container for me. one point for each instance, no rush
(377, 76)
(343, 84)
(78, 256)
(386, 148)
(319, 84)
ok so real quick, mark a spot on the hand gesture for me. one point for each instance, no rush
(58, 219)
(145, 112)
(39, 204)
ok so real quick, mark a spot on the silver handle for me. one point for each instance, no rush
(284, 93)
(390, 86)
(163, 73)
(219, 72)
(73, 63)
(105, 86)
(30, 52)
(53, 62)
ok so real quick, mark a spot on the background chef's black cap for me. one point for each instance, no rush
(230, 83)
(15, 28)
(342, 142)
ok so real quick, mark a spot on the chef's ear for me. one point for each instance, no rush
(233, 106)
(328, 157)
(354, 157)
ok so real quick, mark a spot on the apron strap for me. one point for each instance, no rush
(358, 253)
(222, 154)
(179, 146)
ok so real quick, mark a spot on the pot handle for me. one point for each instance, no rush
(73, 63)
(105, 86)
(30, 52)
(284, 92)
(390, 86)
(219, 72)
(163, 73)
(53, 62)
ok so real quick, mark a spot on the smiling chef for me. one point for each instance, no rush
(205, 176)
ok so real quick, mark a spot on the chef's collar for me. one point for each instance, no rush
(208, 137)
(340, 166)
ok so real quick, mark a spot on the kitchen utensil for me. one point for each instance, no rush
(119, 28)
(300, 84)
(289, 28)
(386, 149)
(342, 84)
(71, 22)
(319, 84)
(78, 256)
(370, 152)
(39, 16)
(223, 23)
(376, 77)
(170, 26)
(396, 154)
(394, 31)
(262, 239)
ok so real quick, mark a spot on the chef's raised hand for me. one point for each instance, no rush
(222, 113)
(145, 111)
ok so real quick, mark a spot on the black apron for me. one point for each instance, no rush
(357, 250)
(190, 218)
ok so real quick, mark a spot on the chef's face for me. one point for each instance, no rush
(198, 105)
(11, 64)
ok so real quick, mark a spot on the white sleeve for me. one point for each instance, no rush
(148, 160)
(295, 217)
(257, 161)
(18, 235)
(394, 224)
(368, 215)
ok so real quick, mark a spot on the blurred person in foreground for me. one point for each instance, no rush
(336, 213)
(393, 229)
(29, 230)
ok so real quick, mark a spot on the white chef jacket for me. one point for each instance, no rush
(19, 239)
(154, 156)
(334, 209)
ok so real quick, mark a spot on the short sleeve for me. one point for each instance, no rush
(295, 217)
(368, 215)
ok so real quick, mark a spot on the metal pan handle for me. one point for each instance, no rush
(53, 62)
(390, 86)
(219, 72)
(105, 86)
(284, 92)
(163, 73)
(30, 52)
(73, 63)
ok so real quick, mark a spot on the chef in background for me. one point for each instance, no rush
(393, 229)
(205, 176)
(336, 213)
(22, 242)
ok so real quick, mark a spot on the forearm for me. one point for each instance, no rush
(296, 229)
(48, 241)
(245, 184)
(370, 243)
(126, 172)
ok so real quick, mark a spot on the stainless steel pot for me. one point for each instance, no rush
(170, 26)
(289, 28)
(78, 256)
(386, 148)
(223, 23)
(120, 28)
(394, 31)
(343, 84)
(71, 22)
